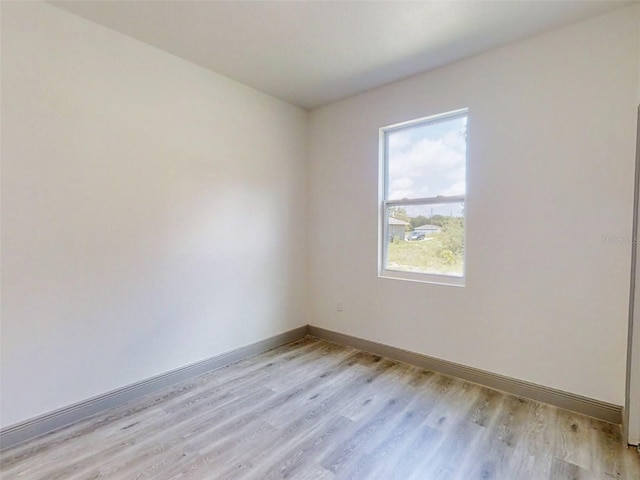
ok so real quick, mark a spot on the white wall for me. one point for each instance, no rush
(152, 212)
(634, 386)
(551, 158)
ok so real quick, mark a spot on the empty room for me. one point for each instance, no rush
(320, 240)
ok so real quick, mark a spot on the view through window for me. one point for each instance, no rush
(423, 205)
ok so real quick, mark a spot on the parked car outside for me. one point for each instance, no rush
(414, 236)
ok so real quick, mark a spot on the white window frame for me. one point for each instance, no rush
(384, 204)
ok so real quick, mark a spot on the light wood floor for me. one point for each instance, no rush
(315, 410)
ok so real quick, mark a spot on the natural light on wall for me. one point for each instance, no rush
(423, 194)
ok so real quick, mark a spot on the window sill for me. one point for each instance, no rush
(446, 280)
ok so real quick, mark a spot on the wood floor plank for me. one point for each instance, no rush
(317, 410)
(535, 451)
(244, 413)
(358, 392)
(299, 429)
(487, 456)
(331, 370)
(427, 439)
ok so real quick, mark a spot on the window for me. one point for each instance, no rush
(423, 191)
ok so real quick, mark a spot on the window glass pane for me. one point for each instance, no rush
(426, 239)
(428, 159)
